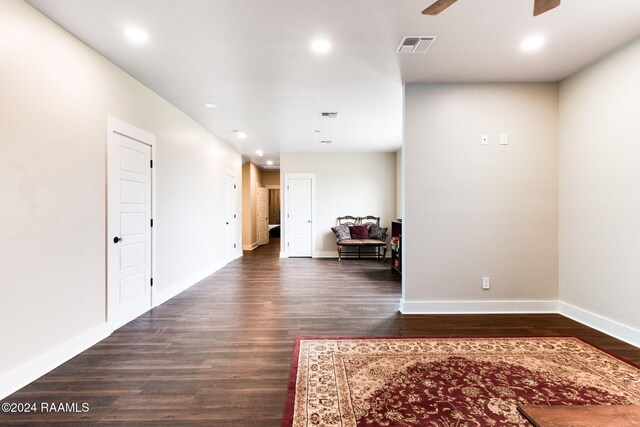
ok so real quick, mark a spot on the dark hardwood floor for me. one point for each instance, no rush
(219, 353)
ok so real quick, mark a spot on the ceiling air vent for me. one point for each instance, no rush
(415, 44)
(330, 115)
(326, 142)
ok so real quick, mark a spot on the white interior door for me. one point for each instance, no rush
(262, 215)
(231, 217)
(299, 217)
(129, 227)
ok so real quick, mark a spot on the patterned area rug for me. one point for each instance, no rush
(448, 381)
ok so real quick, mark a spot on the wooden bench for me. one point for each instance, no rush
(377, 244)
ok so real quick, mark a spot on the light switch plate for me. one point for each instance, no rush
(504, 139)
(486, 283)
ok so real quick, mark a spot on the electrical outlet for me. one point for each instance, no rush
(486, 283)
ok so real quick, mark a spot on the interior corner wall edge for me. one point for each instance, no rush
(476, 210)
(55, 95)
(599, 239)
(399, 184)
(355, 184)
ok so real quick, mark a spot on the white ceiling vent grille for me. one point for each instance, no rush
(415, 44)
(330, 115)
(326, 142)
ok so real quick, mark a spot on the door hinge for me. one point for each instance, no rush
(287, 243)
(234, 186)
(234, 245)
(151, 163)
(287, 187)
(152, 222)
(234, 215)
(151, 280)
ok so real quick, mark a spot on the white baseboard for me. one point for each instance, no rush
(325, 254)
(334, 254)
(477, 307)
(250, 247)
(610, 327)
(235, 256)
(15, 379)
(328, 254)
(165, 295)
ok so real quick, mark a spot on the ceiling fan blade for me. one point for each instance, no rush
(542, 6)
(438, 7)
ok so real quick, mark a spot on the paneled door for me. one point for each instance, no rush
(129, 256)
(299, 217)
(262, 214)
(231, 219)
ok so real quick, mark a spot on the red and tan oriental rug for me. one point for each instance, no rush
(448, 381)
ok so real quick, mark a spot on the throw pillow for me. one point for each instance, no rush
(359, 232)
(341, 232)
(377, 232)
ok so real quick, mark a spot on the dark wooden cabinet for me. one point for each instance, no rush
(396, 246)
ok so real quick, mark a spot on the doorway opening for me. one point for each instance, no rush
(260, 210)
(272, 184)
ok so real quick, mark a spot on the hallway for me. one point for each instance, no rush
(219, 353)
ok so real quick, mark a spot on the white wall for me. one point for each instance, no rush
(355, 184)
(55, 95)
(600, 188)
(477, 210)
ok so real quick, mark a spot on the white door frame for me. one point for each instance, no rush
(115, 125)
(288, 176)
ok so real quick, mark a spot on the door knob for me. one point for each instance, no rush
(227, 223)
(309, 221)
(117, 239)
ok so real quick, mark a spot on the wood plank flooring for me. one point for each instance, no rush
(219, 353)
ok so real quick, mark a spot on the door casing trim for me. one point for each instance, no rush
(115, 125)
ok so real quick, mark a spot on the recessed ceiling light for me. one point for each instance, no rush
(318, 131)
(209, 105)
(259, 153)
(320, 46)
(270, 162)
(240, 134)
(136, 35)
(532, 43)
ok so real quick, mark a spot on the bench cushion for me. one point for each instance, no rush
(361, 242)
(374, 242)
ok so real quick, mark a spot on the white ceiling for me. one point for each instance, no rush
(252, 58)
